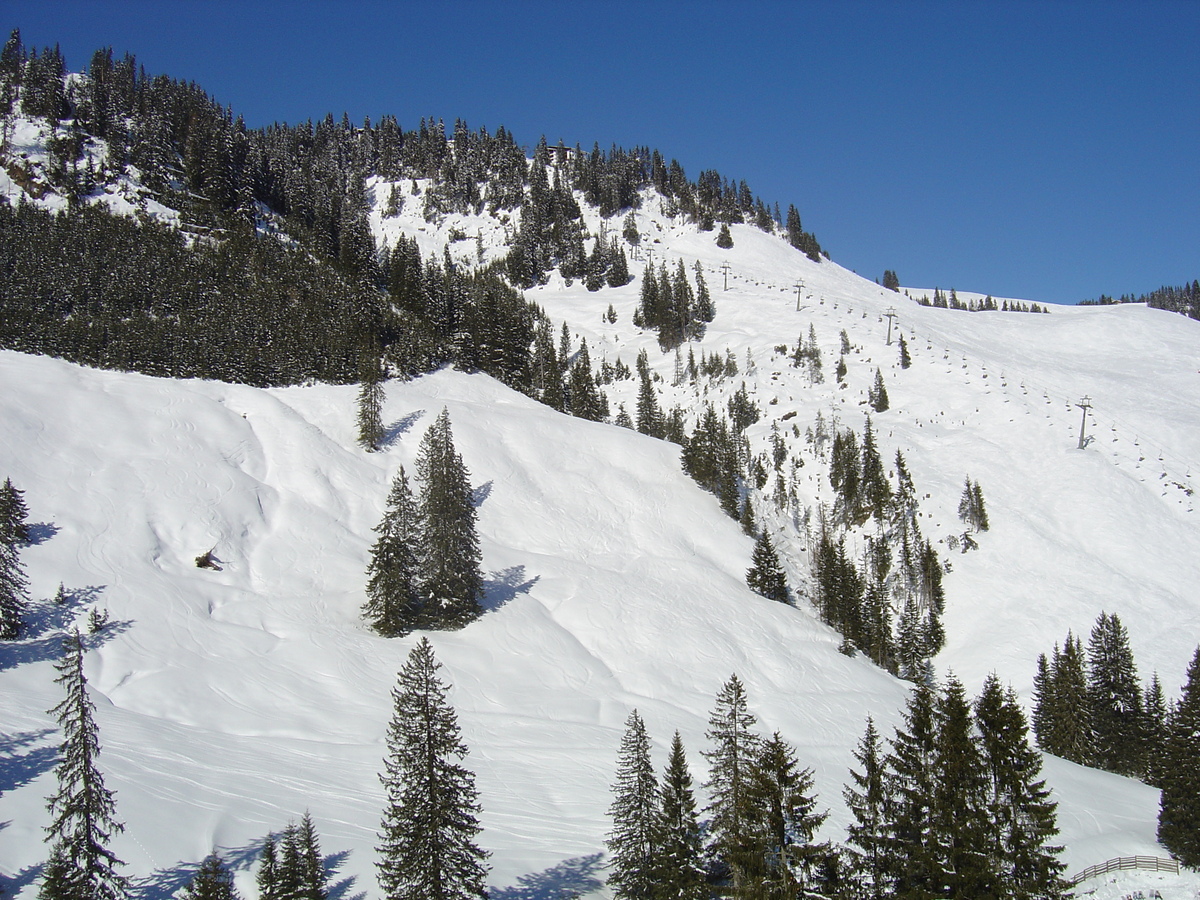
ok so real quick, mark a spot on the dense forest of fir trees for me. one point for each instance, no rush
(1183, 299)
(215, 298)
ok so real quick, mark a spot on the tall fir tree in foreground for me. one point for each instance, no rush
(451, 582)
(212, 881)
(81, 865)
(427, 848)
(868, 799)
(1179, 803)
(14, 586)
(679, 870)
(781, 857)
(1022, 817)
(633, 842)
(394, 604)
(735, 747)
(1114, 698)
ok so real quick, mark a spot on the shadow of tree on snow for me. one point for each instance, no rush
(569, 879)
(25, 756)
(504, 585)
(399, 427)
(165, 883)
(481, 493)
(11, 885)
(45, 624)
(40, 532)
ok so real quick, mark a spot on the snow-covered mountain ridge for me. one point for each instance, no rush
(231, 701)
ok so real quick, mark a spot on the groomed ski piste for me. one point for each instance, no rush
(230, 702)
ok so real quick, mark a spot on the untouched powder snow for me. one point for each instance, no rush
(231, 701)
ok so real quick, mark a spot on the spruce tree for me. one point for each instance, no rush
(450, 579)
(394, 604)
(1021, 814)
(427, 848)
(877, 396)
(635, 810)
(905, 358)
(266, 879)
(961, 828)
(781, 856)
(679, 871)
(766, 575)
(911, 860)
(81, 865)
(734, 749)
(212, 881)
(868, 799)
(1179, 803)
(1114, 699)
(1070, 721)
(724, 238)
(14, 586)
(370, 402)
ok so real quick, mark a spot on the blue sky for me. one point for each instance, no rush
(1047, 150)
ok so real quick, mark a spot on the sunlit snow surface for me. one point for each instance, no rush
(231, 701)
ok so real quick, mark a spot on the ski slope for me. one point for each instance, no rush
(231, 701)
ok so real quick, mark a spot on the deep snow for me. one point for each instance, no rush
(229, 702)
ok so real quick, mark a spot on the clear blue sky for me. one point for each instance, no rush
(1045, 150)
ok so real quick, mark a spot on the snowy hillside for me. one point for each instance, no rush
(230, 702)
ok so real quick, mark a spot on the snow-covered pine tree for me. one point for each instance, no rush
(679, 871)
(450, 579)
(734, 749)
(635, 810)
(1179, 803)
(394, 604)
(14, 586)
(212, 881)
(427, 848)
(961, 830)
(1114, 698)
(266, 879)
(766, 575)
(1070, 719)
(911, 859)
(1021, 814)
(867, 798)
(13, 513)
(781, 857)
(877, 396)
(81, 865)
(370, 401)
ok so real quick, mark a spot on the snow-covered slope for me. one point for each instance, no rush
(229, 702)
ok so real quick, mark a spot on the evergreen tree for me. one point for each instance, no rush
(724, 238)
(905, 358)
(971, 508)
(427, 848)
(735, 747)
(81, 866)
(1179, 809)
(450, 579)
(877, 396)
(781, 857)
(370, 402)
(911, 861)
(635, 811)
(679, 872)
(1155, 706)
(1179, 803)
(891, 280)
(766, 576)
(212, 881)
(13, 513)
(1070, 715)
(394, 604)
(876, 491)
(311, 867)
(1114, 699)
(961, 828)
(649, 415)
(266, 879)
(1021, 814)
(868, 800)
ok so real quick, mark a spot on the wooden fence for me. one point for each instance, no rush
(1153, 863)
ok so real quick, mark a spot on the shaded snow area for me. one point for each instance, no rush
(231, 701)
